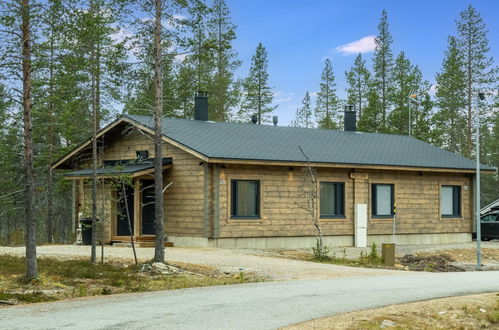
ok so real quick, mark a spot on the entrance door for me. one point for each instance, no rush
(125, 201)
(148, 213)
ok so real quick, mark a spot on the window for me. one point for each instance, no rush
(382, 200)
(450, 201)
(245, 199)
(332, 199)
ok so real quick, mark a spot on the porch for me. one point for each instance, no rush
(125, 200)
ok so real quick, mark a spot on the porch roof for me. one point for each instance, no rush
(115, 168)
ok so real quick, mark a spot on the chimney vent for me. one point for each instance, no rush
(350, 120)
(254, 119)
(201, 106)
(275, 120)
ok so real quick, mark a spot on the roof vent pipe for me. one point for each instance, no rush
(350, 119)
(254, 119)
(275, 120)
(201, 106)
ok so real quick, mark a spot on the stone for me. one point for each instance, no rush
(387, 324)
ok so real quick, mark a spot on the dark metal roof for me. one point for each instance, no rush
(279, 143)
(111, 168)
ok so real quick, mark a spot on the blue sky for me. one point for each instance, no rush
(299, 35)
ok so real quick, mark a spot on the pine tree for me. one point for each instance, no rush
(258, 95)
(201, 57)
(479, 68)
(407, 80)
(371, 118)
(358, 79)
(18, 21)
(383, 66)
(303, 117)
(422, 128)
(450, 120)
(327, 103)
(159, 250)
(223, 92)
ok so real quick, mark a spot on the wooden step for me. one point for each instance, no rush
(153, 244)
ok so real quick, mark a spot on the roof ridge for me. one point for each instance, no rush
(273, 126)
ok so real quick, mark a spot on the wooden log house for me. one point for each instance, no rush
(239, 185)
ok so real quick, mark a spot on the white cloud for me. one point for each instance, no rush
(283, 97)
(364, 45)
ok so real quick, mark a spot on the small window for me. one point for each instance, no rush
(450, 201)
(245, 199)
(332, 199)
(382, 200)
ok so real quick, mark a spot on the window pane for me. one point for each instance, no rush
(446, 200)
(384, 199)
(327, 198)
(246, 204)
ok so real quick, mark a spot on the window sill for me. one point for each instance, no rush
(386, 217)
(236, 218)
(451, 217)
(332, 218)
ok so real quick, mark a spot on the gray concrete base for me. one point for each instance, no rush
(416, 239)
(309, 242)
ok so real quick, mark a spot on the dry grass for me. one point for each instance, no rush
(468, 312)
(61, 279)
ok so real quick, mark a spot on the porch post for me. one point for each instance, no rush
(136, 207)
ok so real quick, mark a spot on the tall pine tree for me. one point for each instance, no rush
(450, 119)
(358, 79)
(481, 74)
(327, 103)
(223, 90)
(383, 67)
(258, 95)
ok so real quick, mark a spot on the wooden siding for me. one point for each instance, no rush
(197, 204)
(417, 197)
(184, 199)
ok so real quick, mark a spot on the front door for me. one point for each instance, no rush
(148, 213)
(125, 210)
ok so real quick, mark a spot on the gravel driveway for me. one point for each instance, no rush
(231, 261)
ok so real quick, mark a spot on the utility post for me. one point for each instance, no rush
(481, 97)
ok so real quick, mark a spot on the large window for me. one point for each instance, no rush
(245, 197)
(450, 201)
(382, 200)
(332, 199)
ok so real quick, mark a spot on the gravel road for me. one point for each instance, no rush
(231, 261)
(267, 305)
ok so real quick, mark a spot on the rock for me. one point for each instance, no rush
(482, 310)
(387, 324)
(442, 312)
(163, 269)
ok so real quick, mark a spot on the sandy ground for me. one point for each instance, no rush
(466, 312)
(229, 261)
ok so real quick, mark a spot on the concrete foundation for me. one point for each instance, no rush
(309, 242)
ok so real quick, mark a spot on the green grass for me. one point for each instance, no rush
(372, 259)
(61, 279)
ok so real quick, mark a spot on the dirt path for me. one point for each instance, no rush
(229, 261)
(466, 312)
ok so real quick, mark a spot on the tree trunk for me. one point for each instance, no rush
(31, 264)
(50, 140)
(469, 144)
(93, 256)
(159, 251)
